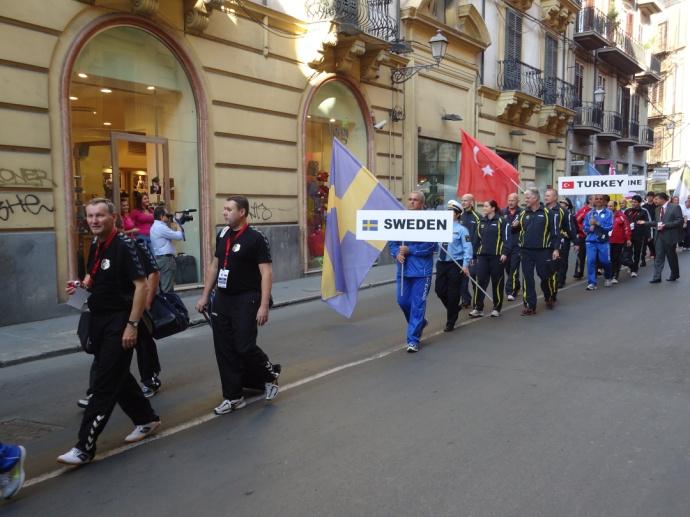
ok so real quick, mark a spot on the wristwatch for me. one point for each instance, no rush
(135, 324)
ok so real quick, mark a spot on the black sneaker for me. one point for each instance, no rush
(149, 390)
(82, 403)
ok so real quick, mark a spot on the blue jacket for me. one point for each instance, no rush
(603, 228)
(419, 262)
(461, 247)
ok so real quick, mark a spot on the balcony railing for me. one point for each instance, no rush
(655, 65)
(612, 123)
(589, 115)
(557, 91)
(377, 18)
(647, 136)
(630, 130)
(517, 76)
(621, 40)
(592, 19)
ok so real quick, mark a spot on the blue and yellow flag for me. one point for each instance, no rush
(346, 260)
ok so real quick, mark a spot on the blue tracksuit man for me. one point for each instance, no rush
(597, 242)
(416, 282)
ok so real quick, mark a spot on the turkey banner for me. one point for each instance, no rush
(484, 174)
(583, 185)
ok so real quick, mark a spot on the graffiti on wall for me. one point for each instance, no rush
(26, 210)
(25, 178)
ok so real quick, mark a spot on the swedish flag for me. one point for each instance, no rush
(346, 260)
(370, 225)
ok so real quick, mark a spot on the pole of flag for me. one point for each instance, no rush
(468, 276)
(402, 275)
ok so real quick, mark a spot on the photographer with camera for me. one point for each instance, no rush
(162, 235)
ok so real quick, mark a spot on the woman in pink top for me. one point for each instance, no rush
(143, 219)
(126, 222)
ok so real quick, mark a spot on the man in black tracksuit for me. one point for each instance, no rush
(470, 220)
(539, 242)
(640, 232)
(511, 250)
(650, 207)
(568, 238)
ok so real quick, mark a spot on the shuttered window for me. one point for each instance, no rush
(550, 67)
(513, 51)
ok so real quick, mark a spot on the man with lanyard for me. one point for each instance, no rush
(639, 231)
(651, 210)
(539, 242)
(561, 220)
(118, 290)
(470, 220)
(162, 236)
(415, 263)
(241, 273)
(453, 261)
(581, 261)
(512, 252)
(597, 225)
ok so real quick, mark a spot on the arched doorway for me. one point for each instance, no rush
(133, 133)
(334, 111)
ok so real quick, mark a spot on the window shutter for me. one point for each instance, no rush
(513, 51)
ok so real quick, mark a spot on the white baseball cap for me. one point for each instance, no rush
(454, 205)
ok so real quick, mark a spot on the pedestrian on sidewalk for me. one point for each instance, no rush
(491, 257)
(162, 234)
(453, 262)
(415, 264)
(117, 285)
(241, 273)
(12, 473)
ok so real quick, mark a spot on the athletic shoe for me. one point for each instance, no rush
(550, 304)
(271, 390)
(412, 348)
(614, 280)
(578, 277)
(633, 275)
(474, 313)
(643, 264)
(449, 327)
(75, 457)
(528, 312)
(142, 431)
(495, 313)
(12, 481)
(228, 406)
(149, 391)
(609, 282)
(82, 403)
(591, 287)
(510, 298)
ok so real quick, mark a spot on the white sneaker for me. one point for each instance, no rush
(228, 406)
(614, 280)
(510, 298)
(591, 287)
(142, 431)
(608, 283)
(495, 314)
(74, 457)
(272, 390)
(474, 313)
(633, 275)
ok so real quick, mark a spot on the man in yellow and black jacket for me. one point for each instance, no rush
(539, 243)
(470, 220)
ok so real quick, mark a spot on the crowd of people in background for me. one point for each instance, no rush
(506, 247)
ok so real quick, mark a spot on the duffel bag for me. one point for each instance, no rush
(168, 315)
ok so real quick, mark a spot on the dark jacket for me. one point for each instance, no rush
(673, 224)
(511, 237)
(470, 220)
(537, 231)
(491, 236)
(639, 231)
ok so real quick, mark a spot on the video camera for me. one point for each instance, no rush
(184, 217)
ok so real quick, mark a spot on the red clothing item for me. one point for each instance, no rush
(579, 218)
(621, 228)
(143, 220)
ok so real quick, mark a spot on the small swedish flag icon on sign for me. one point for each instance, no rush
(370, 225)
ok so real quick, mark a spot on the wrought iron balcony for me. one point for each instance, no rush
(630, 132)
(558, 92)
(652, 74)
(515, 75)
(376, 18)
(588, 118)
(612, 126)
(646, 140)
(623, 52)
(591, 28)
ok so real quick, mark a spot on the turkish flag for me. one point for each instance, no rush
(568, 184)
(484, 174)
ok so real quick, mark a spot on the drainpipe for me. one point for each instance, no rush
(593, 138)
(481, 64)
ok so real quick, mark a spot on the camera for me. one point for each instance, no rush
(184, 217)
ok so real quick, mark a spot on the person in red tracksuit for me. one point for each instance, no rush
(582, 251)
(620, 238)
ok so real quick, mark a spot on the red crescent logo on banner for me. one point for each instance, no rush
(568, 184)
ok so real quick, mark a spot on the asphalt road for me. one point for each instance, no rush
(580, 411)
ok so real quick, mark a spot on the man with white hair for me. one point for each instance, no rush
(470, 220)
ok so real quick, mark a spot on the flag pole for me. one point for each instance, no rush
(468, 276)
(402, 274)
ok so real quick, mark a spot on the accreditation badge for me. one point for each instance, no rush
(223, 278)
(105, 264)
(236, 248)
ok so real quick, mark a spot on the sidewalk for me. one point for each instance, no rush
(40, 339)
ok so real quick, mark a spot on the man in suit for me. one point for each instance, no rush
(669, 218)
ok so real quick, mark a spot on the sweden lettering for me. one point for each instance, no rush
(415, 224)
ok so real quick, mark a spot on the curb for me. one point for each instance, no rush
(192, 323)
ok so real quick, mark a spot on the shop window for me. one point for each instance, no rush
(511, 158)
(437, 167)
(333, 113)
(543, 174)
(134, 134)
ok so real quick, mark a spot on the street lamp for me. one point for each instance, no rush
(439, 44)
(599, 95)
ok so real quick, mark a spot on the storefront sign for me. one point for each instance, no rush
(660, 174)
(618, 184)
(405, 225)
